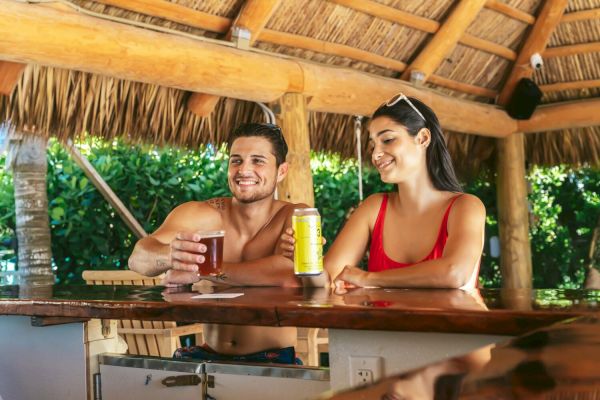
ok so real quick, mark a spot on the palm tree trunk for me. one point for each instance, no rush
(592, 280)
(29, 164)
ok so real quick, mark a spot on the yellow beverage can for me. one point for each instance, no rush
(308, 250)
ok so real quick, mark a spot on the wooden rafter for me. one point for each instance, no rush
(173, 12)
(493, 48)
(568, 115)
(96, 46)
(581, 15)
(335, 49)
(10, 73)
(202, 20)
(510, 11)
(445, 39)
(570, 50)
(253, 17)
(463, 87)
(574, 85)
(423, 24)
(536, 42)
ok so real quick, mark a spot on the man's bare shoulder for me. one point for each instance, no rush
(207, 212)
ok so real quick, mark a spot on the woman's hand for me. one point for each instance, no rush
(351, 277)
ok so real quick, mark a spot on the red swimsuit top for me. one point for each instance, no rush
(379, 261)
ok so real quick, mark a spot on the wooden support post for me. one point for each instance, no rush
(513, 210)
(10, 73)
(297, 187)
(513, 213)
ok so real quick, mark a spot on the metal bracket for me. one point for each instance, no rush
(182, 380)
(240, 36)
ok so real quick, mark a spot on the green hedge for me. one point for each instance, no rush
(88, 234)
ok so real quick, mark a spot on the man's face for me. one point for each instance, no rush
(253, 173)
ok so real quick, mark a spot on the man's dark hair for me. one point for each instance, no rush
(271, 132)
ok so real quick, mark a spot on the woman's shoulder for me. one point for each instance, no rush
(466, 204)
(373, 202)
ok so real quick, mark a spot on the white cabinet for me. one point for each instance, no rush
(141, 378)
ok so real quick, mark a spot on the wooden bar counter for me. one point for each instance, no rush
(393, 330)
(486, 311)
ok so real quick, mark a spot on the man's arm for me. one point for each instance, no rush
(173, 244)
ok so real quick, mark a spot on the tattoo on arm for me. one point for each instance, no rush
(162, 265)
(218, 203)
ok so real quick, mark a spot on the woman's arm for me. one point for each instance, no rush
(454, 269)
(351, 243)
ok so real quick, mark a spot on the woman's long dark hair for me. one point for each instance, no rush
(439, 164)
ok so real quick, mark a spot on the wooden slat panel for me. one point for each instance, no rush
(132, 347)
(141, 340)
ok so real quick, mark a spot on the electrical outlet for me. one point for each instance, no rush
(363, 377)
(365, 370)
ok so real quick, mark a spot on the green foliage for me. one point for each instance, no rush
(88, 234)
(565, 205)
(336, 189)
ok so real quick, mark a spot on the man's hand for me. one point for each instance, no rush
(187, 252)
(178, 278)
(288, 243)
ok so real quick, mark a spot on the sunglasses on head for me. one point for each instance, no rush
(399, 97)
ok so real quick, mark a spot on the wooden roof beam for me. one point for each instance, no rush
(445, 39)
(510, 11)
(253, 17)
(568, 115)
(574, 85)
(594, 13)
(10, 73)
(571, 50)
(423, 24)
(546, 22)
(36, 34)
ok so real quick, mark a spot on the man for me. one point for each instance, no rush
(253, 222)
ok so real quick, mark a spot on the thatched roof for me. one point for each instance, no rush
(67, 103)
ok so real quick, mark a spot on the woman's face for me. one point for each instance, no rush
(396, 154)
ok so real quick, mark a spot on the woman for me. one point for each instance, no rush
(426, 234)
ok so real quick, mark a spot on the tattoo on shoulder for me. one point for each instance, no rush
(218, 203)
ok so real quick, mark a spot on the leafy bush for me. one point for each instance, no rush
(88, 234)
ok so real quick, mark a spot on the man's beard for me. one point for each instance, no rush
(247, 198)
(254, 198)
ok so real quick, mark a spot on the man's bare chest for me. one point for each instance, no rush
(239, 248)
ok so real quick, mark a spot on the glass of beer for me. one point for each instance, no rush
(213, 258)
